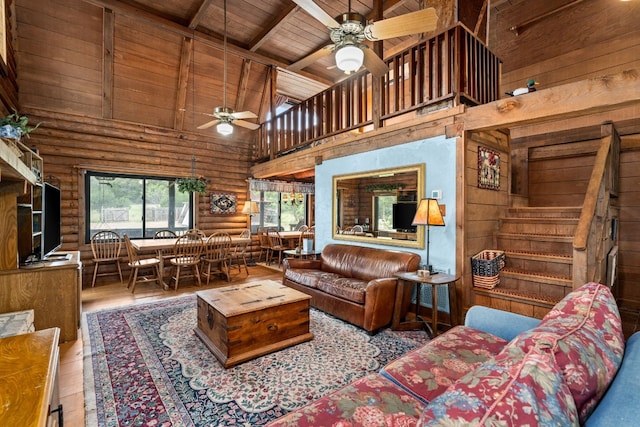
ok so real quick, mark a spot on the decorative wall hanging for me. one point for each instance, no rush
(224, 203)
(488, 169)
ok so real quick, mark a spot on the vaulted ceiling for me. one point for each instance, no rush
(274, 32)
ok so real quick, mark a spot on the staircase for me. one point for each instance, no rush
(538, 244)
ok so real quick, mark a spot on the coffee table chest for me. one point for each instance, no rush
(241, 322)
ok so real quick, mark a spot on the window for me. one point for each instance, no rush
(383, 211)
(277, 210)
(135, 205)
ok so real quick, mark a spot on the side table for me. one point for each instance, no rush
(406, 279)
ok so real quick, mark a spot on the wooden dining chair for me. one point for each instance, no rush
(186, 254)
(165, 234)
(276, 245)
(239, 252)
(217, 255)
(264, 243)
(106, 246)
(136, 264)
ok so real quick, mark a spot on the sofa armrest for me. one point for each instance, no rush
(620, 405)
(312, 264)
(500, 323)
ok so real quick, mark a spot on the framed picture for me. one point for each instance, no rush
(224, 203)
(488, 168)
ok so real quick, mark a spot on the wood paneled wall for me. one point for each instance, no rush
(482, 208)
(71, 144)
(115, 66)
(587, 39)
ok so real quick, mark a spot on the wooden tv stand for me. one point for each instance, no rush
(51, 288)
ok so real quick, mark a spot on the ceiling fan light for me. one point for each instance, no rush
(349, 58)
(224, 128)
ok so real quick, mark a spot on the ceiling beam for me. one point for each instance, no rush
(183, 79)
(197, 17)
(269, 32)
(242, 86)
(168, 25)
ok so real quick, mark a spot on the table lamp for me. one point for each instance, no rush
(428, 213)
(251, 208)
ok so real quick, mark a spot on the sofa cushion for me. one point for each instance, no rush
(514, 388)
(366, 263)
(308, 277)
(344, 287)
(584, 334)
(429, 370)
(370, 401)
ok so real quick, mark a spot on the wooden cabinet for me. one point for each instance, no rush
(30, 222)
(52, 289)
(29, 380)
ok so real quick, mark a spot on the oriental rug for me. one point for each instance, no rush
(144, 366)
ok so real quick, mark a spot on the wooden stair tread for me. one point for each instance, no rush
(544, 255)
(533, 274)
(521, 295)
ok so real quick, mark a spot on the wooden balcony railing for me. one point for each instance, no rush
(449, 69)
(596, 233)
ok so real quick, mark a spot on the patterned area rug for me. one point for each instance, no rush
(145, 366)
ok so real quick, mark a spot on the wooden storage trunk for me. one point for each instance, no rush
(239, 323)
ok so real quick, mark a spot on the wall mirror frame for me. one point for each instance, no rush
(363, 208)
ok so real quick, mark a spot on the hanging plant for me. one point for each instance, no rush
(384, 187)
(192, 185)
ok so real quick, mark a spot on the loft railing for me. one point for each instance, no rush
(449, 69)
(596, 233)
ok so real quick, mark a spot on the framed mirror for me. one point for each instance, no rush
(378, 206)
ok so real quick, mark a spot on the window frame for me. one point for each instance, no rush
(88, 174)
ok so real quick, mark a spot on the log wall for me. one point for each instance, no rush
(71, 145)
(585, 40)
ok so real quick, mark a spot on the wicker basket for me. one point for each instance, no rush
(485, 268)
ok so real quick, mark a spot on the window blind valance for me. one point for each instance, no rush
(281, 186)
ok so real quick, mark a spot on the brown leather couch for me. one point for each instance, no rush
(353, 283)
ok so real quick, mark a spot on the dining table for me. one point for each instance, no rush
(163, 247)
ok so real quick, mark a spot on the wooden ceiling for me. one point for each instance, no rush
(271, 32)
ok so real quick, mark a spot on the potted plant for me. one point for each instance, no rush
(192, 185)
(14, 126)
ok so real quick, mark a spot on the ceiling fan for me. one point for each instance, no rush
(225, 117)
(349, 30)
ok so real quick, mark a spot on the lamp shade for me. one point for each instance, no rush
(224, 128)
(349, 58)
(250, 208)
(428, 213)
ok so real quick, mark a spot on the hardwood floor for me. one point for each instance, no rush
(114, 294)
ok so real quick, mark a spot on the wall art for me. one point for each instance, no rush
(488, 169)
(224, 203)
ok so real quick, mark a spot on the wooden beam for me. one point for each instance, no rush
(183, 80)
(197, 17)
(108, 36)
(242, 86)
(564, 101)
(270, 31)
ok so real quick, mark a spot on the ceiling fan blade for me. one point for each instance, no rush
(310, 59)
(315, 11)
(209, 124)
(245, 124)
(373, 63)
(422, 21)
(244, 115)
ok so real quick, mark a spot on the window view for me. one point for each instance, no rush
(283, 211)
(135, 205)
(383, 211)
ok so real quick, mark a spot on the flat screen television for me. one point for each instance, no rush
(51, 232)
(403, 214)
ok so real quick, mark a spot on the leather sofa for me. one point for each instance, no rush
(353, 283)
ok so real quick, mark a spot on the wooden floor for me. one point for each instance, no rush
(107, 295)
(114, 294)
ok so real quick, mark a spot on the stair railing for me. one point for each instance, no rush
(596, 231)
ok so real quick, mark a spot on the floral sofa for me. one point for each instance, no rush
(502, 369)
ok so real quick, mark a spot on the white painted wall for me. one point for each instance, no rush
(439, 156)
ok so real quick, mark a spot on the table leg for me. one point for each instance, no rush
(434, 310)
(161, 268)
